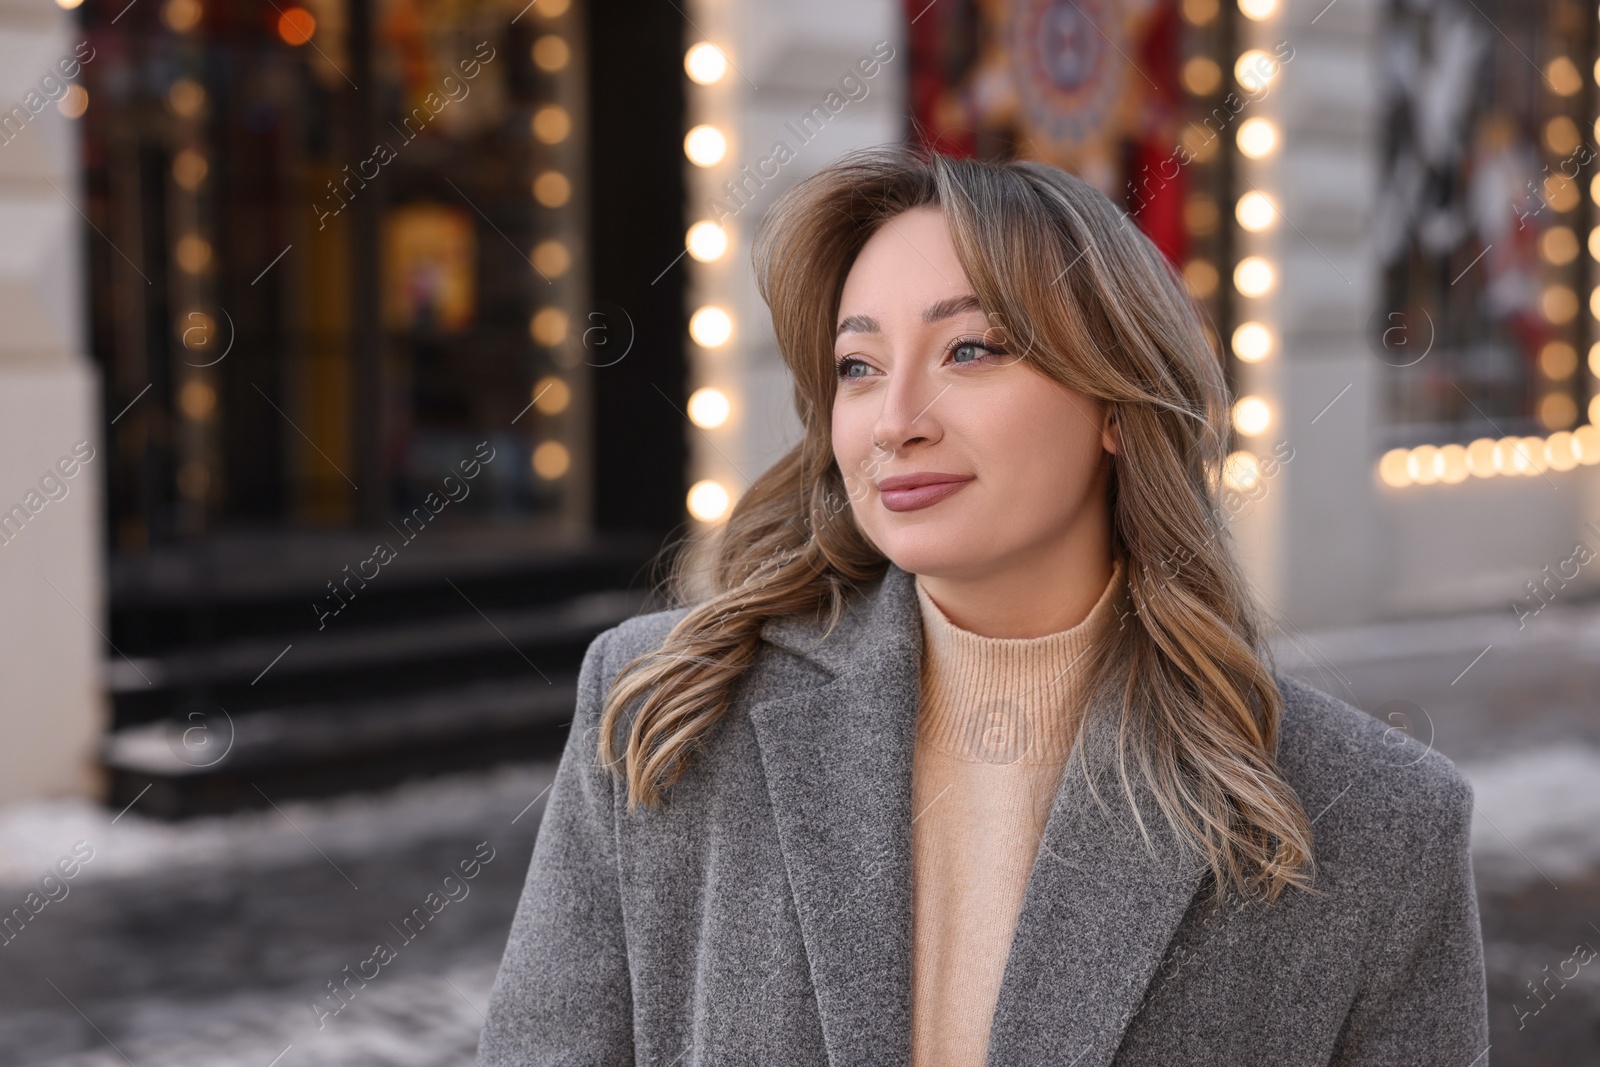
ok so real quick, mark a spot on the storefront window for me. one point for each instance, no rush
(339, 243)
(1485, 222)
(1139, 99)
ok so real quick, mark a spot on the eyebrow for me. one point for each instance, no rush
(938, 311)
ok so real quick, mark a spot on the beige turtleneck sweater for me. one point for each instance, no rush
(995, 728)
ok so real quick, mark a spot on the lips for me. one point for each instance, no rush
(920, 489)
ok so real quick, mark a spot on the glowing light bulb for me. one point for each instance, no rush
(1252, 342)
(707, 241)
(1258, 138)
(710, 327)
(708, 500)
(1256, 211)
(1254, 276)
(709, 408)
(1252, 415)
(705, 146)
(705, 63)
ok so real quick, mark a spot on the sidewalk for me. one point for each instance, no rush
(208, 942)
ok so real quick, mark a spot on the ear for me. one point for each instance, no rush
(1109, 438)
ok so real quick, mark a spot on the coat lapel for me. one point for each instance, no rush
(1098, 910)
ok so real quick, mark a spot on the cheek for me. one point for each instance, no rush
(1046, 436)
(851, 441)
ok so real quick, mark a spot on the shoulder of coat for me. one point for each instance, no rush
(640, 635)
(1349, 767)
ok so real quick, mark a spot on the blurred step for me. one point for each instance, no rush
(227, 691)
(214, 760)
(396, 656)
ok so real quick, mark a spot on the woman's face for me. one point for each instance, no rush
(960, 458)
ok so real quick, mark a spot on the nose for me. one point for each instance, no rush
(909, 414)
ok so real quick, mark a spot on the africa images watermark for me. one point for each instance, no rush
(852, 89)
(455, 91)
(1255, 76)
(52, 889)
(384, 553)
(452, 889)
(53, 485)
(50, 89)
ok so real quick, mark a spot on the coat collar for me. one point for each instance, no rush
(1098, 911)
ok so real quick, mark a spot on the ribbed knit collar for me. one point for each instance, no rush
(1007, 699)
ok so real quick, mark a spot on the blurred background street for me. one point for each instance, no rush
(364, 359)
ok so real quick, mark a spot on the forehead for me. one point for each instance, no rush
(907, 264)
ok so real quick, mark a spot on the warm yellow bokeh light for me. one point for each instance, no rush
(1425, 465)
(1200, 143)
(708, 500)
(705, 146)
(1200, 214)
(705, 63)
(1252, 342)
(552, 124)
(1557, 360)
(1256, 211)
(549, 327)
(1559, 451)
(707, 241)
(193, 253)
(1255, 70)
(1254, 276)
(1241, 470)
(74, 102)
(1201, 277)
(1561, 135)
(1252, 415)
(1393, 468)
(709, 407)
(1534, 447)
(186, 97)
(1559, 245)
(551, 258)
(1559, 304)
(1562, 75)
(1258, 9)
(551, 53)
(551, 395)
(197, 399)
(552, 189)
(1586, 443)
(181, 16)
(551, 460)
(1454, 460)
(1201, 76)
(1199, 12)
(1561, 192)
(710, 327)
(1480, 458)
(1258, 138)
(1557, 411)
(189, 169)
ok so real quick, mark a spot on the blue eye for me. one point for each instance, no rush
(846, 367)
(977, 352)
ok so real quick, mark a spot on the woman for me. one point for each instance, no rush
(971, 753)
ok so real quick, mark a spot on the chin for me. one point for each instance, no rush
(934, 549)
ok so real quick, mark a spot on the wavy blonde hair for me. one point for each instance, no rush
(1099, 309)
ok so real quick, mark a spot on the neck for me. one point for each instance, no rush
(1030, 597)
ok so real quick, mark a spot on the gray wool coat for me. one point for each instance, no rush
(763, 915)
